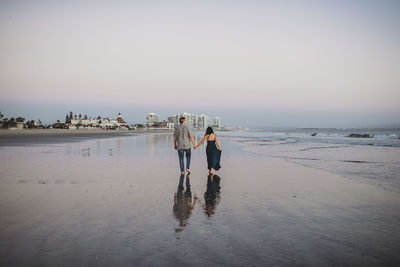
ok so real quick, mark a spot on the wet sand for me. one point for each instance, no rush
(119, 203)
(43, 136)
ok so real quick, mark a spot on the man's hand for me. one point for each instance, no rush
(176, 148)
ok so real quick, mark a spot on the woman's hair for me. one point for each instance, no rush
(209, 130)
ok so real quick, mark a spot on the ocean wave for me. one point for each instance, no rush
(360, 138)
(374, 161)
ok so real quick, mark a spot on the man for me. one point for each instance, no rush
(182, 138)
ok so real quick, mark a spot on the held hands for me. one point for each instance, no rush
(194, 146)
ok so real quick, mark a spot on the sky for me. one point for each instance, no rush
(253, 63)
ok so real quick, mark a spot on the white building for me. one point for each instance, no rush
(93, 123)
(151, 118)
(204, 121)
(174, 119)
(189, 119)
(217, 123)
(194, 121)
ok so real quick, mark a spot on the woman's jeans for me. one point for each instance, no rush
(188, 155)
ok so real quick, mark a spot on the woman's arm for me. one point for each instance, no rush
(201, 142)
(216, 142)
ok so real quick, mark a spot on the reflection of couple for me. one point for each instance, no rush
(184, 204)
(182, 138)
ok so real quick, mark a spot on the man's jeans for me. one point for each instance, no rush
(188, 155)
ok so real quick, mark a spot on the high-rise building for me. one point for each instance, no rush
(217, 123)
(151, 118)
(203, 121)
(194, 121)
(189, 119)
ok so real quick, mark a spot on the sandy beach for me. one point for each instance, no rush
(113, 202)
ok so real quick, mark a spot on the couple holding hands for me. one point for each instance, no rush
(182, 139)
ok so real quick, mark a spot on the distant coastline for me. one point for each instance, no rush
(33, 136)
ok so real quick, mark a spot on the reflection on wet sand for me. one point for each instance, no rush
(212, 195)
(152, 140)
(183, 204)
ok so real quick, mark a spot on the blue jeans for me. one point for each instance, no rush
(188, 155)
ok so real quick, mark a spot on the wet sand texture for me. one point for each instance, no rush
(62, 205)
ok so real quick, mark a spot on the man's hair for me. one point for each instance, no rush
(182, 119)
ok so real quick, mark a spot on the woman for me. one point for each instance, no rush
(213, 154)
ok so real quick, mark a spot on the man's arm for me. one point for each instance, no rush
(192, 139)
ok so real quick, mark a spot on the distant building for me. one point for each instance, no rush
(163, 125)
(195, 121)
(120, 120)
(192, 120)
(96, 122)
(203, 121)
(217, 123)
(174, 119)
(151, 119)
(189, 119)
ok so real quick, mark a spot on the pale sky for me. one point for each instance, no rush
(253, 63)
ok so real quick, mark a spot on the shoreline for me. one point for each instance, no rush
(40, 136)
(12, 132)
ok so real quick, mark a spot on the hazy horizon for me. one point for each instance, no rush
(233, 118)
(291, 64)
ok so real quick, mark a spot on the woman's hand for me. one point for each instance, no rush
(220, 149)
(194, 147)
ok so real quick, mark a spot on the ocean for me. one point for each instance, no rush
(374, 160)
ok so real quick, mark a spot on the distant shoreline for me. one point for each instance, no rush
(40, 136)
(13, 132)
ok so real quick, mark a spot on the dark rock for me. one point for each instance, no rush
(314, 134)
(360, 135)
